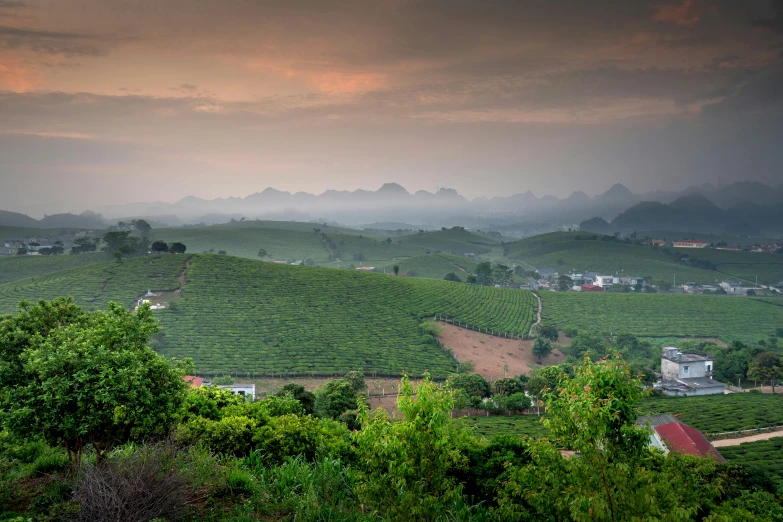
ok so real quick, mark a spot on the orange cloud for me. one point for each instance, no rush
(687, 14)
(15, 77)
(342, 83)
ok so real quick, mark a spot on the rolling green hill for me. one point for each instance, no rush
(255, 318)
(14, 268)
(297, 241)
(662, 315)
(94, 285)
(565, 251)
(435, 266)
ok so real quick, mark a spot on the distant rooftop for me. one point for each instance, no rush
(672, 353)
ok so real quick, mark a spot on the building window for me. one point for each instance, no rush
(685, 369)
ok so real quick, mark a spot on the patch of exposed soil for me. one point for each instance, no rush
(749, 438)
(490, 354)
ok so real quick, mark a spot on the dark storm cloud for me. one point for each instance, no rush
(775, 20)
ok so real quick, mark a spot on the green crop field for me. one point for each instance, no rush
(661, 315)
(93, 286)
(766, 454)
(435, 266)
(562, 251)
(514, 425)
(297, 241)
(708, 414)
(248, 317)
(720, 413)
(14, 268)
(254, 318)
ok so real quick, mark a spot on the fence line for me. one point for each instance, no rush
(741, 433)
(479, 329)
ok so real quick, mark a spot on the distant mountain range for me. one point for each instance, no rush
(696, 213)
(735, 205)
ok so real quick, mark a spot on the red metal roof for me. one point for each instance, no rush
(681, 438)
(194, 382)
(588, 287)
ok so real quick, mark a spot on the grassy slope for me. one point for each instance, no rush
(661, 315)
(263, 318)
(23, 232)
(561, 251)
(21, 267)
(435, 266)
(296, 241)
(93, 286)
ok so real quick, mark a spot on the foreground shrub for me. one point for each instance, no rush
(133, 488)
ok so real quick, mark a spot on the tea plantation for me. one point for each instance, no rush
(21, 267)
(661, 315)
(93, 286)
(709, 414)
(253, 318)
(720, 413)
(766, 454)
(435, 266)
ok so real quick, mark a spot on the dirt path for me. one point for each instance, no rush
(538, 315)
(490, 354)
(749, 438)
(455, 264)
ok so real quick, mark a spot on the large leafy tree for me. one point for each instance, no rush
(78, 379)
(408, 466)
(541, 348)
(594, 414)
(766, 366)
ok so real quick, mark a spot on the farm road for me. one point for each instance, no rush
(749, 438)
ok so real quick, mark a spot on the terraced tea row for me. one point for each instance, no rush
(253, 318)
(709, 414)
(721, 413)
(661, 315)
(15, 268)
(93, 286)
(765, 454)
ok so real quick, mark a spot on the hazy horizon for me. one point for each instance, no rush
(114, 102)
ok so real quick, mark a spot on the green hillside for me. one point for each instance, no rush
(93, 286)
(255, 318)
(14, 268)
(435, 266)
(297, 241)
(565, 251)
(661, 315)
(244, 316)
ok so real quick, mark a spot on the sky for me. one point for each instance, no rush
(116, 101)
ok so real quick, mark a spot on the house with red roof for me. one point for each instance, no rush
(589, 287)
(195, 382)
(669, 434)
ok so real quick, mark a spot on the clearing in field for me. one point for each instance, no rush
(491, 354)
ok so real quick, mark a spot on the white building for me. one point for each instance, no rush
(688, 373)
(732, 288)
(248, 390)
(606, 281)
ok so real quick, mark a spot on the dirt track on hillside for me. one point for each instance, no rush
(490, 353)
(749, 438)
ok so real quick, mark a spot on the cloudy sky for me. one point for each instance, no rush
(113, 101)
